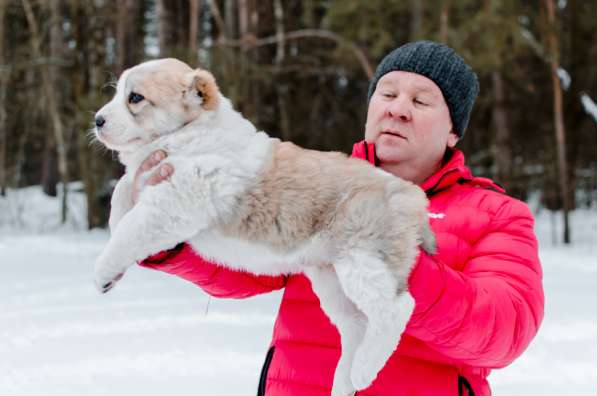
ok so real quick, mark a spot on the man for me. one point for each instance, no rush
(479, 300)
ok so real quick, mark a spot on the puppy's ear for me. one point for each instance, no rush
(202, 89)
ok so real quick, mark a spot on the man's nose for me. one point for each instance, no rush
(99, 121)
(400, 108)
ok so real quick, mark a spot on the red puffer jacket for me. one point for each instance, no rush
(479, 300)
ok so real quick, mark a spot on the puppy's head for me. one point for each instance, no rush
(153, 99)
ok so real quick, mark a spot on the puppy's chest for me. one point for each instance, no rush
(260, 258)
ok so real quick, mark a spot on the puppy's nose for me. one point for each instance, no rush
(99, 121)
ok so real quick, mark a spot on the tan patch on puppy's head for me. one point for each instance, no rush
(204, 84)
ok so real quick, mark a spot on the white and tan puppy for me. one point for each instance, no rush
(253, 203)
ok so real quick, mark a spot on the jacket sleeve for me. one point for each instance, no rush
(488, 313)
(215, 279)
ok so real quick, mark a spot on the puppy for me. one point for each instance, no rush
(256, 204)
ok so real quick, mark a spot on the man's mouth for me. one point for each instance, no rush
(393, 133)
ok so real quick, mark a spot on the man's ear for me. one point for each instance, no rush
(202, 89)
(452, 139)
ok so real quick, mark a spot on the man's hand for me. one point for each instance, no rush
(158, 173)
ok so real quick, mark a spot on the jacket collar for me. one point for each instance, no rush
(365, 151)
(452, 171)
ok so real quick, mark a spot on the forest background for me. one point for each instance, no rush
(300, 71)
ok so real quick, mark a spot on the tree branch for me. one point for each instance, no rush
(301, 34)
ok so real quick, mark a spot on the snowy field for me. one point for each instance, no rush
(155, 334)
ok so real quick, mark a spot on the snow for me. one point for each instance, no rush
(564, 78)
(589, 106)
(152, 335)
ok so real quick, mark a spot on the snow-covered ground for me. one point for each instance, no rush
(152, 335)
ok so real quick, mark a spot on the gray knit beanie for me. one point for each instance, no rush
(441, 64)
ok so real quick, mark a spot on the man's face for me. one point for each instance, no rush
(409, 121)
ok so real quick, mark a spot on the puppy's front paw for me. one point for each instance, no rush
(104, 283)
(105, 278)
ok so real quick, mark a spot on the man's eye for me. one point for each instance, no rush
(135, 97)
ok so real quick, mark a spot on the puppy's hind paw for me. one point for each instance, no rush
(343, 388)
(342, 392)
(362, 376)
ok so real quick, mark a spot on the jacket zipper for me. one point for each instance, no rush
(429, 192)
(464, 384)
(264, 370)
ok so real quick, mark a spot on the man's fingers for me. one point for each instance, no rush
(161, 174)
(151, 161)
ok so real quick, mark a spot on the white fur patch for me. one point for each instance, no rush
(258, 259)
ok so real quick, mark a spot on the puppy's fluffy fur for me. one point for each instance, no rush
(253, 203)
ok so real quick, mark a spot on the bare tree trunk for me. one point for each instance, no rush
(247, 20)
(165, 28)
(280, 44)
(558, 116)
(4, 77)
(121, 28)
(30, 79)
(124, 16)
(20, 156)
(96, 50)
(251, 87)
(217, 15)
(193, 25)
(57, 52)
(243, 20)
(50, 95)
(80, 14)
(89, 29)
(49, 167)
(444, 25)
(501, 145)
(253, 17)
(49, 170)
(180, 23)
(84, 22)
(127, 15)
(243, 59)
(281, 89)
(416, 20)
(230, 18)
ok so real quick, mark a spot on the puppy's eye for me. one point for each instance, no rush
(199, 93)
(135, 97)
